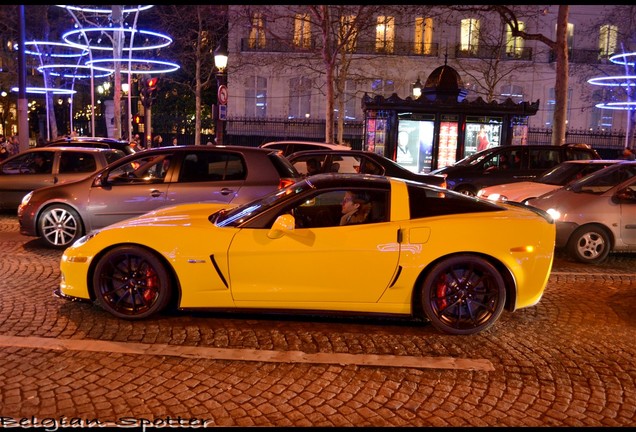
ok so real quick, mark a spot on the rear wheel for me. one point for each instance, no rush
(589, 244)
(60, 226)
(463, 295)
(131, 282)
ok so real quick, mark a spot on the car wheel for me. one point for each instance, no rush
(589, 244)
(60, 226)
(131, 282)
(466, 190)
(463, 295)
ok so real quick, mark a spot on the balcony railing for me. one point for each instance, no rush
(368, 48)
(582, 56)
(493, 52)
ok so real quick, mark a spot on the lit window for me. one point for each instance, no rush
(302, 31)
(385, 34)
(607, 40)
(514, 44)
(423, 36)
(348, 32)
(257, 31)
(470, 35)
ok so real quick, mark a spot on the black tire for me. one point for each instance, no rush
(463, 295)
(59, 226)
(466, 190)
(589, 244)
(130, 282)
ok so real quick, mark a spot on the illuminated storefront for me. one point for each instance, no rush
(441, 127)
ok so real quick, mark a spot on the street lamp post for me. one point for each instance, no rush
(220, 111)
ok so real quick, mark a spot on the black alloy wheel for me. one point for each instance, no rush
(131, 282)
(463, 295)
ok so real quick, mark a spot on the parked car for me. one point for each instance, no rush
(595, 215)
(444, 265)
(98, 142)
(38, 167)
(557, 177)
(508, 164)
(289, 147)
(357, 161)
(149, 179)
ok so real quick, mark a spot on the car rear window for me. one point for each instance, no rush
(212, 166)
(284, 168)
(425, 202)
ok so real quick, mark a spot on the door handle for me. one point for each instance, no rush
(226, 191)
(155, 193)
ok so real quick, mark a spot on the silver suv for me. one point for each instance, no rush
(509, 164)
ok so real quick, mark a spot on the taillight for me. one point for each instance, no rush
(284, 182)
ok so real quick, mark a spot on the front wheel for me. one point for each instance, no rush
(466, 190)
(131, 282)
(463, 295)
(60, 226)
(589, 244)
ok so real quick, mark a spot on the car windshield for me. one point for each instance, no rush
(603, 180)
(565, 173)
(242, 213)
(561, 174)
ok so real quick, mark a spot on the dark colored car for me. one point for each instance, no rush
(150, 179)
(40, 167)
(509, 164)
(289, 147)
(97, 142)
(357, 161)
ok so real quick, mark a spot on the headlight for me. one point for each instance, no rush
(556, 215)
(26, 198)
(80, 241)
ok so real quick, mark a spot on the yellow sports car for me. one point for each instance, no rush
(330, 243)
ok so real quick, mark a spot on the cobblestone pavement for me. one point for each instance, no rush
(568, 361)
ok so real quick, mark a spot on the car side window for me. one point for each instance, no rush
(77, 162)
(146, 169)
(19, 165)
(326, 209)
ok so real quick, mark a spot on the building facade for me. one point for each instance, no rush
(277, 66)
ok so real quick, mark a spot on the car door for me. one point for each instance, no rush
(24, 173)
(628, 214)
(130, 189)
(312, 266)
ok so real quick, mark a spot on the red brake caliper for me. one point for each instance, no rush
(440, 291)
(151, 285)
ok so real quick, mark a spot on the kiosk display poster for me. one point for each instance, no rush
(480, 136)
(447, 150)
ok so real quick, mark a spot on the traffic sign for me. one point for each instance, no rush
(222, 95)
(222, 112)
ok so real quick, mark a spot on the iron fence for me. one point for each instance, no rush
(255, 131)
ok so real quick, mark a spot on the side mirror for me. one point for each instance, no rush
(283, 224)
(100, 179)
(624, 196)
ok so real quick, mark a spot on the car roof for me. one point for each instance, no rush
(71, 149)
(216, 148)
(331, 151)
(317, 143)
(87, 139)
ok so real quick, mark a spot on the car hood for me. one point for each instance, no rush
(181, 214)
(525, 188)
